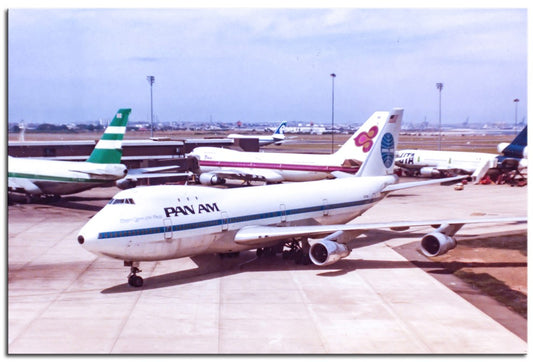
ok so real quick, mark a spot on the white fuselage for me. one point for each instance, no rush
(276, 167)
(40, 176)
(444, 160)
(167, 222)
(263, 140)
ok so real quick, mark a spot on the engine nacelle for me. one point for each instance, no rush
(211, 179)
(124, 183)
(429, 172)
(435, 243)
(326, 252)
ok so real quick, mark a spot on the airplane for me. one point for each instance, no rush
(429, 163)
(276, 138)
(514, 155)
(41, 177)
(52, 177)
(174, 221)
(216, 165)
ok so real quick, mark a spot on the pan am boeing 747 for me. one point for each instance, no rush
(168, 222)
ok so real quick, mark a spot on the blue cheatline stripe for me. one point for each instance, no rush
(231, 220)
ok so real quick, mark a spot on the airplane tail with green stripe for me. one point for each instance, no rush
(109, 147)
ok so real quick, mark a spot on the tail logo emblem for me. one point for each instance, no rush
(387, 149)
(364, 139)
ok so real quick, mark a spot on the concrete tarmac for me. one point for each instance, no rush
(63, 299)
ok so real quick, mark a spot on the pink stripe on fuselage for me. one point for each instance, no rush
(278, 166)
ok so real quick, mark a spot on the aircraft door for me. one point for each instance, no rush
(283, 210)
(168, 228)
(224, 220)
(325, 209)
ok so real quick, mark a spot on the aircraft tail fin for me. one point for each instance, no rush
(376, 141)
(281, 127)
(517, 146)
(109, 147)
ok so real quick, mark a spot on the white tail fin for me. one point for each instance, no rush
(280, 129)
(377, 142)
(354, 151)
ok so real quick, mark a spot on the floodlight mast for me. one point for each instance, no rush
(332, 75)
(516, 100)
(439, 87)
(151, 80)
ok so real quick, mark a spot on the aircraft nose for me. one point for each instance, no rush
(88, 238)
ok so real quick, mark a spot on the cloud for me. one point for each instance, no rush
(267, 64)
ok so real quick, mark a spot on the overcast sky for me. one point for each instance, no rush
(257, 65)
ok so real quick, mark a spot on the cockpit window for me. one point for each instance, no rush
(121, 201)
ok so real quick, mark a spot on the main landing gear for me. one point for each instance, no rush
(133, 279)
(290, 250)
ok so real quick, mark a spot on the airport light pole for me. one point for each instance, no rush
(516, 100)
(439, 87)
(332, 75)
(151, 80)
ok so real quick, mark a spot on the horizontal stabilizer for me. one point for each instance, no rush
(95, 172)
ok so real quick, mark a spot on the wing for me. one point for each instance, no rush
(140, 176)
(23, 184)
(259, 235)
(409, 166)
(154, 172)
(147, 170)
(248, 174)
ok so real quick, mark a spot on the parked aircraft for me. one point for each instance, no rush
(428, 163)
(513, 156)
(36, 177)
(50, 177)
(218, 164)
(167, 222)
(276, 138)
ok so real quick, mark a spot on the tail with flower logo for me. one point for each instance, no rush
(382, 128)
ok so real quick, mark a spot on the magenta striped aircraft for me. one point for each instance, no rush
(218, 164)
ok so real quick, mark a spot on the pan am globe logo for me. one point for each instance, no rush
(387, 149)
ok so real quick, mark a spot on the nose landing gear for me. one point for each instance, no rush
(133, 279)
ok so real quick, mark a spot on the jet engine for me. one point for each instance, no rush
(211, 179)
(429, 172)
(326, 252)
(124, 183)
(435, 243)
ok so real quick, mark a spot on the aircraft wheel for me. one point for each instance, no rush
(259, 252)
(135, 281)
(298, 257)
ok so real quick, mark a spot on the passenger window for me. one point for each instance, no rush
(121, 201)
